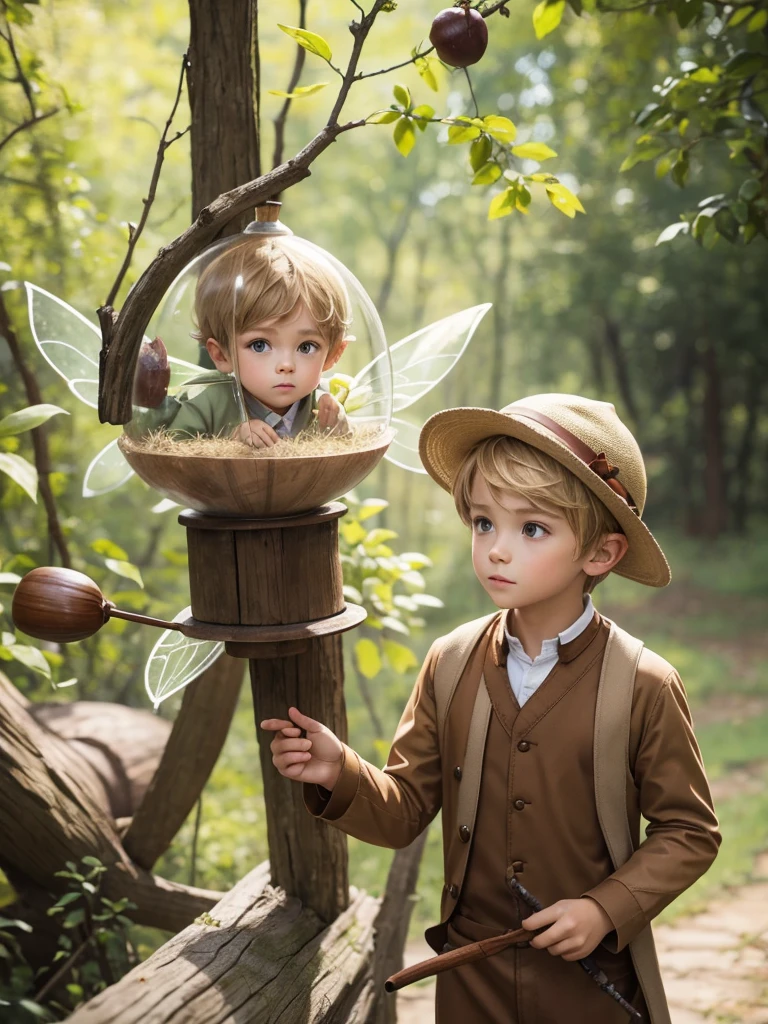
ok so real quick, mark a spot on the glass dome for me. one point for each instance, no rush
(266, 349)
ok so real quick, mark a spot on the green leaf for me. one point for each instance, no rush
(422, 115)
(74, 918)
(459, 133)
(35, 1009)
(740, 14)
(32, 658)
(500, 128)
(371, 507)
(309, 40)
(403, 96)
(9, 579)
(750, 189)
(415, 560)
(502, 204)
(7, 922)
(383, 117)
(379, 536)
(28, 419)
(404, 135)
(400, 657)
(758, 21)
(564, 200)
(480, 151)
(672, 231)
(534, 151)
(352, 594)
(427, 601)
(707, 76)
(368, 658)
(108, 549)
(643, 153)
(352, 532)
(487, 174)
(125, 569)
(396, 625)
(67, 898)
(679, 172)
(300, 92)
(424, 67)
(740, 211)
(547, 16)
(21, 472)
(744, 64)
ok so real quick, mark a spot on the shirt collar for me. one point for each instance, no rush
(502, 644)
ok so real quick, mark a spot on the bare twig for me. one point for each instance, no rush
(472, 92)
(39, 437)
(62, 972)
(165, 143)
(298, 67)
(29, 123)
(396, 67)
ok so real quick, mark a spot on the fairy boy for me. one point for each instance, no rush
(277, 316)
(553, 488)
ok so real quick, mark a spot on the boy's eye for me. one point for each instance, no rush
(482, 525)
(258, 345)
(534, 530)
(308, 347)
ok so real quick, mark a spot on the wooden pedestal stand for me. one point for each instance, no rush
(272, 590)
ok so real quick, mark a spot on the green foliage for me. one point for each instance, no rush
(310, 41)
(16, 467)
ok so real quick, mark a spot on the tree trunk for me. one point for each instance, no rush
(715, 509)
(742, 471)
(619, 359)
(266, 958)
(223, 92)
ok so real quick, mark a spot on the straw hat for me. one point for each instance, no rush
(585, 436)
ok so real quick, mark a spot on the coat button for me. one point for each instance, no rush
(519, 805)
(523, 746)
(464, 833)
(457, 773)
(518, 866)
(453, 891)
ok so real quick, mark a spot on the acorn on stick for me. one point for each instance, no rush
(459, 36)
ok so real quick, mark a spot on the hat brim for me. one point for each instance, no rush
(448, 437)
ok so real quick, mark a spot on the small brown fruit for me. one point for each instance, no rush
(153, 374)
(459, 36)
(60, 605)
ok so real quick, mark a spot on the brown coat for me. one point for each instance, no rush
(537, 819)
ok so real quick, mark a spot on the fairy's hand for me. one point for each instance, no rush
(315, 757)
(256, 433)
(331, 415)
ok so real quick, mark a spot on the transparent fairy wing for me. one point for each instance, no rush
(419, 361)
(176, 660)
(181, 371)
(404, 450)
(108, 471)
(69, 343)
(164, 506)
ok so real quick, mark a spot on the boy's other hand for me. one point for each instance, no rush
(315, 758)
(576, 927)
(256, 433)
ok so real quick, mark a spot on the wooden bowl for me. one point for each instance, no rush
(255, 487)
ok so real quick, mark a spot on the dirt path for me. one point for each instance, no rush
(715, 964)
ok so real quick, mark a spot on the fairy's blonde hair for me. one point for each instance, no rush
(507, 464)
(265, 279)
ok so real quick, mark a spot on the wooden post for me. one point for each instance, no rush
(272, 588)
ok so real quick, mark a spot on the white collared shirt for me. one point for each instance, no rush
(526, 676)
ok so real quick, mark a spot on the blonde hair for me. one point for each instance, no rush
(505, 463)
(265, 279)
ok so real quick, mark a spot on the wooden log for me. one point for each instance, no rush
(193, 748)
(123, 745)
(268, 959)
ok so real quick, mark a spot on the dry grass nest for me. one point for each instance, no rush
(306, 444)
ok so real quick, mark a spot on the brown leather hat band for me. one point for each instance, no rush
(596, 462)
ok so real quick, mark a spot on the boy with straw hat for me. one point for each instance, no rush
(543, 732)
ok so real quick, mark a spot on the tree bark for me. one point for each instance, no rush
(742, 471)
(222, 90)
(195, 743)
(715, 509)
(619, 359)
(266, 958)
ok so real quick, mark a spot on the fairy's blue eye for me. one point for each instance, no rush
(534, 531)
(259, 345)
(482, 525)
(308, 347)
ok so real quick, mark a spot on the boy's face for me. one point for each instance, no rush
(522, 556)
(280, 361)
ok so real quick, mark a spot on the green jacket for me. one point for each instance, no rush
(207, 405)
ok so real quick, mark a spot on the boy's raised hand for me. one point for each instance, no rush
(315, 758)
(576, 927)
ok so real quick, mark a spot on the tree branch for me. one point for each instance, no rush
(163, 146)
(298, 67)
(28, 124)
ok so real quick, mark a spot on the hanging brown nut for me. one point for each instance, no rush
(459, 36)
(153, 374)
(60, 605)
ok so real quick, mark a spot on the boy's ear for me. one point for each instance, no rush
(607, 554)
(332, 359)
(219, 356)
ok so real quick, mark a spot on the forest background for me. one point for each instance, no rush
(673, 334)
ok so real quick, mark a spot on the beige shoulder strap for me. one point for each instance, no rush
(611, 761)
(451, 662)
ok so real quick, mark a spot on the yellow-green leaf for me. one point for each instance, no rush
(405, 135)
(424, 67)
(758, 21)
(400, 657)
(740, 14)
(384, 117)
(487, 174)
(500, 128)
(459, 133)
(301, 91)
(423, 114)
(479, 152)
(544, 176)
(309, 40)
(402, 95)
(371, 507)
(564, 200)
(368, 658)
(125, 569)
(502, 205)
(28, 419)
(534, 151)
(32, 658)
(547, 16)
(21, 472)
(352, 531)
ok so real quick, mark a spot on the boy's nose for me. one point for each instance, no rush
(499, 553)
